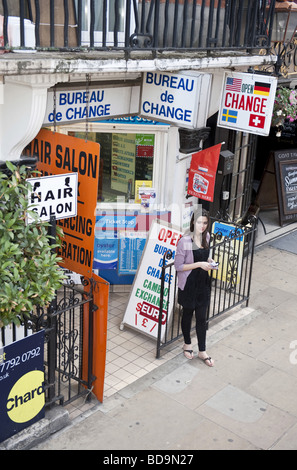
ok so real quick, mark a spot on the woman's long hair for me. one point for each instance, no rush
(205, 235)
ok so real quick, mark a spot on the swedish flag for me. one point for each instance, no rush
(229, 115)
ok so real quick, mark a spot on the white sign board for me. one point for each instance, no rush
(142, 312)
(70, 105)
(247, 102)
(175, 98)
(54, 195)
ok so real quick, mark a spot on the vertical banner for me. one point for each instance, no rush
(21, 384)
(142, 312)
(59, 154)
(202, 174)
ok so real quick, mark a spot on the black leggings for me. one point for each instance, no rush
(186, 321)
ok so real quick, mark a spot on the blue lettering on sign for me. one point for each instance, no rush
(80, 97)
(115, 221)
(170, 81)
(166, 111)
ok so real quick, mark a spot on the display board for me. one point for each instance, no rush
(286, 180)
(22, 396)
(142, 312)
(59, 154)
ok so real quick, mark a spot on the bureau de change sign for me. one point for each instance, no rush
(177, 98)
(247, 102)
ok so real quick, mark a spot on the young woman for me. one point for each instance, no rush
(193, 264)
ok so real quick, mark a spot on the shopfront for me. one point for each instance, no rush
(142, 176)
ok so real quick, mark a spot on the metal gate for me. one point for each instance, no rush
(68, 326)
(230, 285)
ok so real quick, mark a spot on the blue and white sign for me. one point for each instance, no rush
(175, 98)
(71, 105)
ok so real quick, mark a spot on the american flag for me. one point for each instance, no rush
(233, 84)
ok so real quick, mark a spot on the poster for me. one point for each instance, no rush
(131, 246)
(202, 173)
(247, 102)
(139, 184)
(229, 255)
(123, 162)
(286, 181)
(142, 312)
(22, 396)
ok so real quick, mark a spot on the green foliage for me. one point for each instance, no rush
(29, 273)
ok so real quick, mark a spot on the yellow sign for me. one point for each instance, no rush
(228, 252)
(26, 398)
(141, 184)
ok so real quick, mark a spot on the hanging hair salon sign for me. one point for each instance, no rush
(247, 102)
(70, 105)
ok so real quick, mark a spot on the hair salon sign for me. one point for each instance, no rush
(247, 102)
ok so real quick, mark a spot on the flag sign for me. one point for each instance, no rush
(247, 102)
(202, 174)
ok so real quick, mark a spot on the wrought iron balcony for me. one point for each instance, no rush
(139, 25)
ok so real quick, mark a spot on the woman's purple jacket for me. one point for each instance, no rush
(184, 255)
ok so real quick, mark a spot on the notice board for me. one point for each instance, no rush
(59, 154)
(286, 181)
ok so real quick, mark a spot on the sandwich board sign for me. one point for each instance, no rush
(54, 195)
(247, 102)
(142, 312)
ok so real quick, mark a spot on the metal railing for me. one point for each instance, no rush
(68, 348)
(233, 246)
(155, 25)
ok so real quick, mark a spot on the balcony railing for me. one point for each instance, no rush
(151, 25)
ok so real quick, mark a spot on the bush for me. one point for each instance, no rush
(29, 273)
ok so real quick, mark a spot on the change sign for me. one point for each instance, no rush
(54, 196)
(247, 102)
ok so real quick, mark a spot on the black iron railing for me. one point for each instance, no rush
(154, 25)
(230, 285)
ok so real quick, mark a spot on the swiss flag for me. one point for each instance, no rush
(257, 120)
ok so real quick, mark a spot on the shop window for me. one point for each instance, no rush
(126, 161)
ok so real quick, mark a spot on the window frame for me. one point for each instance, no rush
(159, 161)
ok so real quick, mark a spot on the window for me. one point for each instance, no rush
(126, 161)
(107, 21)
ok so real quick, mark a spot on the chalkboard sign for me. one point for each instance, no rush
(286, 179)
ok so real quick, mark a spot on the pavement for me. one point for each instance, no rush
(247, 401)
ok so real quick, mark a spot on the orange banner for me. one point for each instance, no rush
(58, 154)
